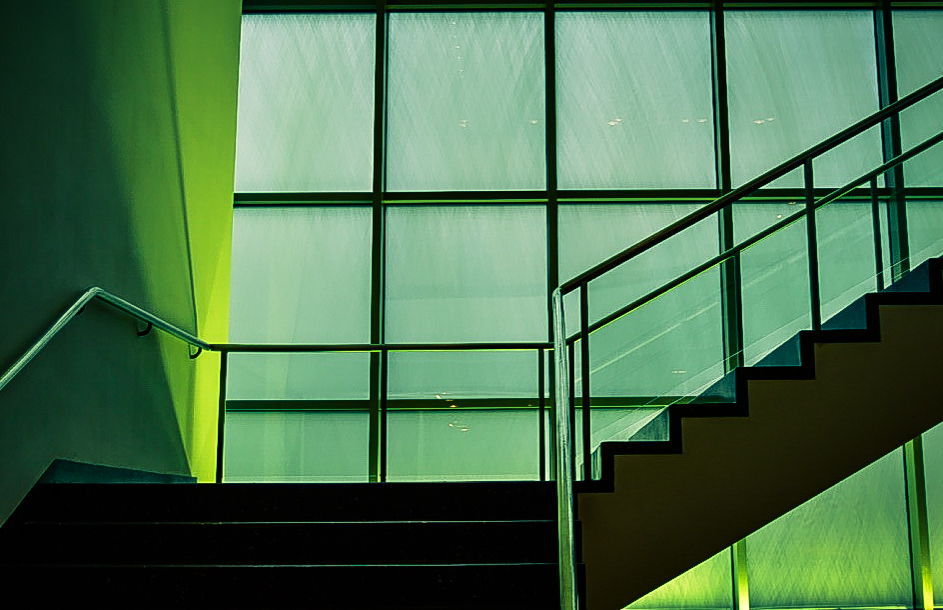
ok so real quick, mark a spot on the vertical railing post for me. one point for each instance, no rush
(918, 525)
(812, 245)
(584, 374)
(221, 418)
(565, 500)
(876, 229)
(541, 424)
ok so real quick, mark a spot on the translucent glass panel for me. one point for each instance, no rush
(795, 78)
(925, 229)
(706, 585)
(591, 233)
(933, 462)
(847, 547)
(463, 445)
(634, 103)
(312, 376)
(289, 447)
(774, 278)
(466, 102)
(301, 275)
(918, 48)
(306, 95)
(847, 268)
(460, 416)
(466, 273)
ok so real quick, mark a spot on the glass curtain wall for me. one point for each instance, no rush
(430, 176)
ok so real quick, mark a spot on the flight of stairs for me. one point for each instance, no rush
(460, 546)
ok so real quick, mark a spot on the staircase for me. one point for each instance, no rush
(460, 546)
(765, 439)
(781, 433)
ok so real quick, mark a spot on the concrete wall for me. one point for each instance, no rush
(117, 136)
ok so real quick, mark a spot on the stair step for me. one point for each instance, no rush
(456, 587)
(364, 543)
(260, 502)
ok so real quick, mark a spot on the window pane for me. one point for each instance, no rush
(933, 463)
(634, 100)
(291, 447)
(301, 275)
(466, 101)
(846, 547)
(706, 585)
(466, 273)
(795, 78)
(306, 84)
(918, 48)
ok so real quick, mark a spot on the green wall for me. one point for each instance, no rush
(118, 132)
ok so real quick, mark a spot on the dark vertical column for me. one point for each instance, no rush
(815, 305)
(918, 525)
(730, 296)
(584, 374)
(541, 421)
(891, 141)
(221, 420)
(378, 259)
(876, 230)
(550, 130)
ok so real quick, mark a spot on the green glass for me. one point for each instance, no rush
(297, 447)
(918, 53)
(794, 78)
(634, 105)
(774, 276)
(705, 586)
(924, 228)
(301, 275)
(466, 273)
(466, 102)
(933, 464)
(847, 547)
(306, 93)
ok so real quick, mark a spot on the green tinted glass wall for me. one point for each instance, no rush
(918, 48)
(634, 100)
(466, 101)
(793, 79)
(933, 461)
(306, 103)
(846, 547)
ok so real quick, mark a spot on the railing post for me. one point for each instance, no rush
(221, 418)
(876, 229)
(541, 424)
(584, 374)
(565, 500)
(813, 250)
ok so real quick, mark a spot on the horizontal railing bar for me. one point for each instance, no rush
(380, 347)
(782, 169)
(443, 404)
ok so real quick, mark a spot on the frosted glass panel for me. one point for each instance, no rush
(463, 444)
(706, 585)
(774, 279)
(466, 273)
(589, 234)
(933, 462)
(315, 376)
(301, 275)
(795, 78)
(317, 446)
(634, 103)
(448, 377)
(306, 92)
(466, 102)
(918, 47)
(847, 547)
(925, 229)
(845, 241)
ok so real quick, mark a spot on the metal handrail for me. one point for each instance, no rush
(116, 302)
(760, 181)
(755, 239)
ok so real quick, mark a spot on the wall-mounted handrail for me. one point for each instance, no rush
(760, 181)
(77, 307)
